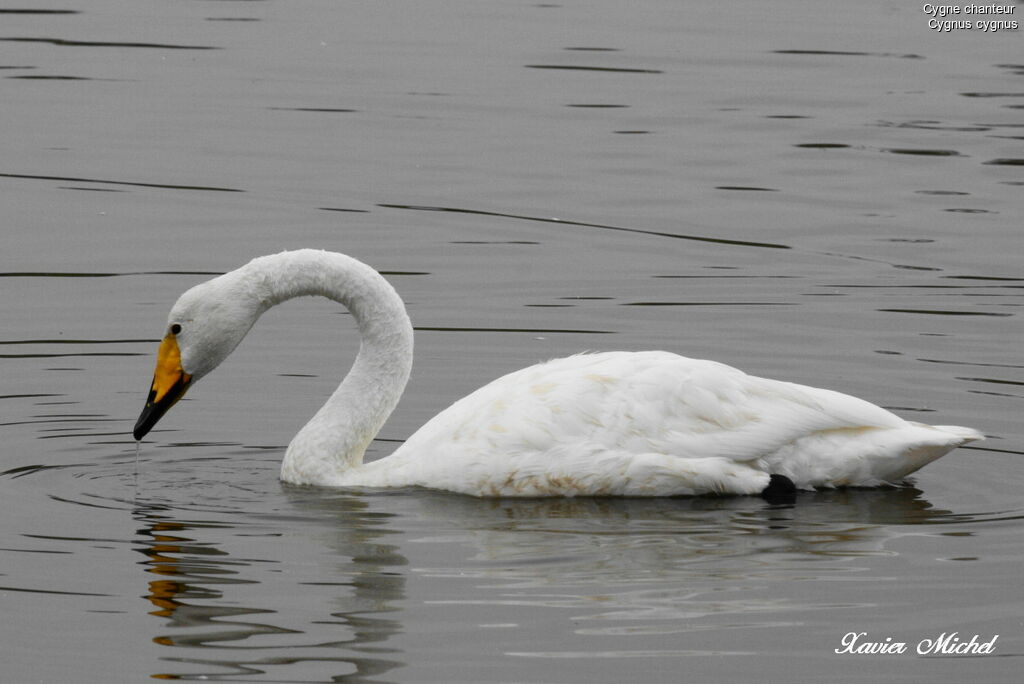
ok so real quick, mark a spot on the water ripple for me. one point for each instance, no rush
(945, 312)
(680, 236)
(576, 67)
(847, 53)
(167, 186)
(515, 330)
(91, 43)
(37, 11)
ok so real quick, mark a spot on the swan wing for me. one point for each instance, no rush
(638, 423)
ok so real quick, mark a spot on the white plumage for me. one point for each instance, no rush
(616, 423)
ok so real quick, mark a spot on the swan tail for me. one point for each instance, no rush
(867, 456)
(965, 434)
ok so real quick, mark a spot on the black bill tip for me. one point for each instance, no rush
(154, 410)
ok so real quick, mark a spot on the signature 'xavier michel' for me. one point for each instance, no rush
(947, 643)
(611, 424)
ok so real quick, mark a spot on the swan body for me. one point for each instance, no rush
(607, 424)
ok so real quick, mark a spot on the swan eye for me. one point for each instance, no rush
(175, 329)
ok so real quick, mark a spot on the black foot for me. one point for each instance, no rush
(780, 490)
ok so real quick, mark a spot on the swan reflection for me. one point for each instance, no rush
(329, 583)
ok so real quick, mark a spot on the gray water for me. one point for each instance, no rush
(828, 193)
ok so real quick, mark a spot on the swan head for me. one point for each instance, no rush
(204, 327)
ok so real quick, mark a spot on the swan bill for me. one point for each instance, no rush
(170, 383)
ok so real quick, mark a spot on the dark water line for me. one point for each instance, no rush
(62, 499)
(977, 277)
(516, 330)
(709, 304)
(91, 43)
(22, 471)
(37, 11)
(601, 226)
(922, 152)
(723, 277)
(841, 53)
(62, 420)
(992, 94)
(494, 242)
(53, 592)
(994, 450)
(994, 381)
(322, 110)
(41, 274)
(1003, 395)
(971, 363)
(745, 188)
(938, 312)
(919, 287)
(344, 210)
(570, 67)
(50, 341)
(72, 179)
(54, 356)
(51, 77)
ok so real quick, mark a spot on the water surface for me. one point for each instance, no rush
(829, 196)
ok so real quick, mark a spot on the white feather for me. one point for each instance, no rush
(617, 423)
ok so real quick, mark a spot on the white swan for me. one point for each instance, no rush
(617, 423)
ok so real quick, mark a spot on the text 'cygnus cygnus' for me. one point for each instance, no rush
(608, 424)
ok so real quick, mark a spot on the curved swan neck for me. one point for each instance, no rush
(336, 437)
